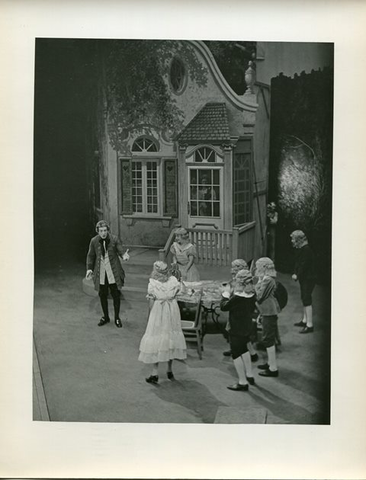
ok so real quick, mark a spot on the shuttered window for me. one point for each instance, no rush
(149, 187)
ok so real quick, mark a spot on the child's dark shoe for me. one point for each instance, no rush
(269, 373)
(254, 357)
(307, 330)
(237, 387)
(152, 379)
(300, 324)
(170, 376)
(103, 321)
(265, 366)
(251, 380)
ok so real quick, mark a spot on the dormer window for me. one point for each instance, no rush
(205, 155)
(144, 145)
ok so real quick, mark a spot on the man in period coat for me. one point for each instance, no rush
(104, 265)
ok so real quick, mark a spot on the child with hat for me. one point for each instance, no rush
(163, 340)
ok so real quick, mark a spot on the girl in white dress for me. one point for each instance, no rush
(163, 339)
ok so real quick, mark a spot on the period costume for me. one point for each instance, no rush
(111, 265)
(269, 309)
(304, 272)
(163, 339)
(103, 259)
(182, 254)
(240, 307)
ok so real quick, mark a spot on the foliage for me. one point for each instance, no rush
(138, 93)
(303, 185)
(301, 161)
(232, 59)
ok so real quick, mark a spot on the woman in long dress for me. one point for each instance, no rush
(163, 340)
(184, 255)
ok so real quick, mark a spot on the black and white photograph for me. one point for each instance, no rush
(182, 196)
(182, 227)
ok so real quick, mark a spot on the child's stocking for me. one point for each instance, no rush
(309, 316)
(239, 367)
(272, 362)
(251, 348)
(248, 364)
(155, 369)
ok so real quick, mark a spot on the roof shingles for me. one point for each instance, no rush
(210, 124)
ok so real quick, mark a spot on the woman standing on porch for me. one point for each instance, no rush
(184, 254)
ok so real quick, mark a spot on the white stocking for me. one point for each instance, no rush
(309, 316)
(239, 367)
(248, 364)
(272, 362)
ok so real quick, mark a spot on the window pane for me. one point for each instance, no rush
(210, 156)
(216, 193)
(204, 209)
(197, 156)
(216, 177)
(144, 145)
(216, 209)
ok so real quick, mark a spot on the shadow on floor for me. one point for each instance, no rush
(193, 396)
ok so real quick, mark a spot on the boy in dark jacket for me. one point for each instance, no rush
(240, 305)
(304, 272)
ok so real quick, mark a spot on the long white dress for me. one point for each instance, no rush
(163, 339)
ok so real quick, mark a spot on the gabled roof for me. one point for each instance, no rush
(210, 124)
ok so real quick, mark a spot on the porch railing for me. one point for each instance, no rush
(217, 247)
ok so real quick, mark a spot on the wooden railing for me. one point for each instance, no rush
(217, 247)
(164, 253)
(243, 241)
(214, 247)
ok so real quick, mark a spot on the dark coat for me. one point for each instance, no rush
(240, 314)
(305, 264)
(114, 252)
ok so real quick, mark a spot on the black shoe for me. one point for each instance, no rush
(103, 321)
(239, 388)
(265, 366)
(227, 353)
(300, 324)
(118, 323)
(307, 330)
(152, 379)
(269, 373)
(170, 376)
(254, 357)
(251, 380)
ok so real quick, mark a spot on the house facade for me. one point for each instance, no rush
(210, 177)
